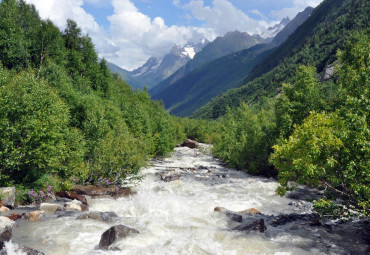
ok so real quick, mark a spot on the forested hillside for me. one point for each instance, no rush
(63, 115)
(314, 43)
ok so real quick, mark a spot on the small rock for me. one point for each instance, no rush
(35, 216)
(4, 209)
(115, 233)
(190, 144)
(7, 195)
(250, 211)
(85, 208)
(100, 216)
(50, 208)
(72, 207)
(14, 216)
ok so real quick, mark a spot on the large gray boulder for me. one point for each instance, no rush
(7, 196)
(115, 233)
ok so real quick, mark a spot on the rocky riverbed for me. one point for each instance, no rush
(189, 203)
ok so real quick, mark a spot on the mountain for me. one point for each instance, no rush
(198, 87)
(125, 75)
(314, 43)
(221, 46)
(271, 32)
(156, 70)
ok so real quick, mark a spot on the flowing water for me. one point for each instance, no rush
(175, 217)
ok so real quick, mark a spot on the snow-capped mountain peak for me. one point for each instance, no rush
(271, 32)
(157, 69)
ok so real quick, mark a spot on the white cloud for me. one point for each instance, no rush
(59, 11)
(140, 37)
(224, 17)
(298, 6)
(134, 36)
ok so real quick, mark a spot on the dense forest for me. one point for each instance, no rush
(65, 118)
(63, 115)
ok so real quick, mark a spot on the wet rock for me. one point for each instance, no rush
(287, 218)
(100, 216)
(244, 212)
(250, 211)
(84, 208)
(4, 209)
(72, 196)
(7, 195)
(6, 228)
(170, 178)
(14, 216)
(35, 216)
(190, 144)
(95, 191)
(29, 251)
(234, 217)
(61, 214)
(72, 207)
(50, 208)
(257, 225)
(115, 233)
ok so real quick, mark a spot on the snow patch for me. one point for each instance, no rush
(189, 51)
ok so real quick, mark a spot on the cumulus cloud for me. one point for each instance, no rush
(59, 11)
(224, 17)
(140, 37)
(133, 37)
(298, 6)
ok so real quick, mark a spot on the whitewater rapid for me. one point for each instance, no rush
(175, 217)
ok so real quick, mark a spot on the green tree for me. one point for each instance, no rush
(35, 138)
(13, 45)
(298, 100)
(333, 149)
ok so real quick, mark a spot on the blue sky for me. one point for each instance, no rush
(128, 32)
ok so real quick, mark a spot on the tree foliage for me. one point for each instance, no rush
(64, 114)
(333, 148)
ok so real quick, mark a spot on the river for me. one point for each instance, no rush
(178, 217)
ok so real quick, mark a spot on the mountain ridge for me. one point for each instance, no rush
(198, 87)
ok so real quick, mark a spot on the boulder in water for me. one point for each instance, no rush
(257, 225)
(35, 216)
(50, 208)
(190, 144)
(29, 251)
(115, 233)
(6, 228)
(100, 216)
(72, 207)
(4, 209)
(14, 216)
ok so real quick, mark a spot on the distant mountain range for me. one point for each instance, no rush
(156, 70)
(314, 43)
(198, 87)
